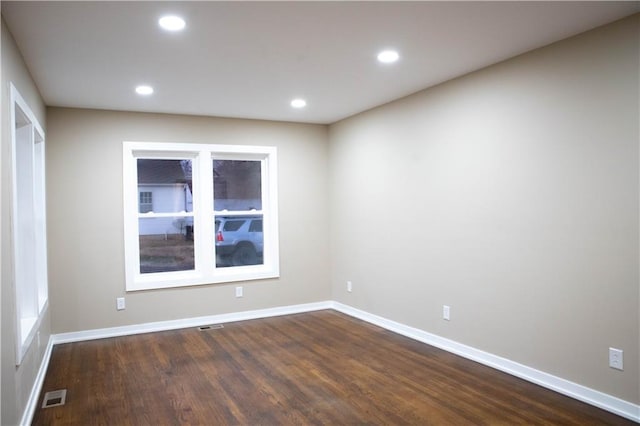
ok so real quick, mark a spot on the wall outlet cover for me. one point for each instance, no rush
(616, 358)
(446, 312)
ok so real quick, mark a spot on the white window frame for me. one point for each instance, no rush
(28, 222)
(205, 271)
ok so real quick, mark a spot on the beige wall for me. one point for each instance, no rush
(511, 195)
(16, 382)
(84, 185)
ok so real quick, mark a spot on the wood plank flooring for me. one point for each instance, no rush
(320, 368)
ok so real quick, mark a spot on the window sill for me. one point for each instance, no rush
(163, 280)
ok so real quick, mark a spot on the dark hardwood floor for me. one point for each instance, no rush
(314, 368)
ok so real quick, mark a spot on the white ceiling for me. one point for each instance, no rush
(249, 59)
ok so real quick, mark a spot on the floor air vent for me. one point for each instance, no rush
(54, 398)
(210, 327)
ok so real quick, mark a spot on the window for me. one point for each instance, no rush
(28, 222)
(146, 201)
(199, 214)
(256, 226)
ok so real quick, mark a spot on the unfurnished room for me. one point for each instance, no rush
(310, 212)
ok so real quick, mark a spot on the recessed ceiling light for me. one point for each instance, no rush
(298, 103)
(388, 56)
(172, 23)
(144, 90)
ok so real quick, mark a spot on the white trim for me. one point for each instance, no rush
(32, 402)
(151, 327)
(582, 393)
(24, 106)
(27, 324)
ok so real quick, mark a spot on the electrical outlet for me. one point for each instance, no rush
(349, 286)
(120, 303)
(238, 291)
(446, 312)
(616, 358)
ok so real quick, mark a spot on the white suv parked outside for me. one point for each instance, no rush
(239, 240)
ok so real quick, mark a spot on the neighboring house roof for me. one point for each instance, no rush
(163, 172)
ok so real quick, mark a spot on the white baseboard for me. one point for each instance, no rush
(32, 402)
(582, 393)
(152, 327)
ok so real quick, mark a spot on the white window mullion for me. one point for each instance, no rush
(203, 187)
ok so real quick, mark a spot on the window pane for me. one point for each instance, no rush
(164, 186)
(237, 185)
(239, 241)
(166, 244)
